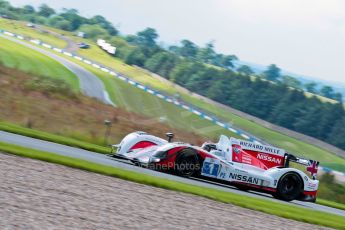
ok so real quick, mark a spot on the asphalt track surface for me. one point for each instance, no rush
(109, 161)
(90, 84)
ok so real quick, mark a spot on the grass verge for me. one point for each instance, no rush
(21, 28)
(331, 204)
(33, 62)
(270, 207)
(52, 137)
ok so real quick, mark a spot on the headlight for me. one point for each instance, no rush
(155, 160)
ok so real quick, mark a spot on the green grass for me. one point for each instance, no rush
(270, 207)
(331, 204)
(20, 28)
(30, 61)
(125, 96)
(5, 126)
(136, 100)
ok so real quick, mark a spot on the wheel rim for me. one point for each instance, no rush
(290, 186)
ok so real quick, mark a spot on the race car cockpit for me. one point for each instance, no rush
(221, 149)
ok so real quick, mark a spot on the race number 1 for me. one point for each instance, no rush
(210, 169)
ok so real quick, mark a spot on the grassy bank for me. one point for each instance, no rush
(21, 28)
(279, 209)
(30, 61)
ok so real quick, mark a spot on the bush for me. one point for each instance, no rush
(329, 189)
(50, 86)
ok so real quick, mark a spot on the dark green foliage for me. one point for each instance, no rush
(45, 10)
(206, 54)
(161, 63)
(94, 31)
(28, 9)
(146, 38)
(244, 69)
(100, 20)
(311, 87)
(135, 57)
(272, 73)
(50, 86)
(330, 190)
(276, 103)
(291, 81)
(327, 91)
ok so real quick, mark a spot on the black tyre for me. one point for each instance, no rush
(289, 187)
(187, 163)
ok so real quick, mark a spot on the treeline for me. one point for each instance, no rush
(67, 19)
(276, 103)
(269, 96)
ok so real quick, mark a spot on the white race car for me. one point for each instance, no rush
(246, 165)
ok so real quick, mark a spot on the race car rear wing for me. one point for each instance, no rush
(311, 165)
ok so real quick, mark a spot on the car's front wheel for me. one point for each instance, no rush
(187, 163)
(289, 187)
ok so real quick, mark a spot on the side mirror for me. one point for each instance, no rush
(170, 136)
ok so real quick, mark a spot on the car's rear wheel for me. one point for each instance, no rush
(187, 163)
(289, 187)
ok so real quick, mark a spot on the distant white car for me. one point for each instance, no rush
(246, 165)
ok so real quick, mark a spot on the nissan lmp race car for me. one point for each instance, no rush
(243, 164)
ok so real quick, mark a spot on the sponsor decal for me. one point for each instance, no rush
(210, 169)
(311, 185)
(261, 148)
(266, 157)
(237, 150)
(244, 178)
(275, 182)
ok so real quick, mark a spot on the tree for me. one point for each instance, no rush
(291, 81)
(183, 70)
(52, 21)
(73, 17)
(147, 37)
(336, 136)
(161, 63)
(206, 54)
(98, 19)
(272, 73)
(327, 91)
(227, 61)
(45, 10)
(94, 31)
(311, 87)
(4, 4)
(28, 9)
(63, 25)
(188, 49)
(338, 97)
(244, 69)
(135, 57)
